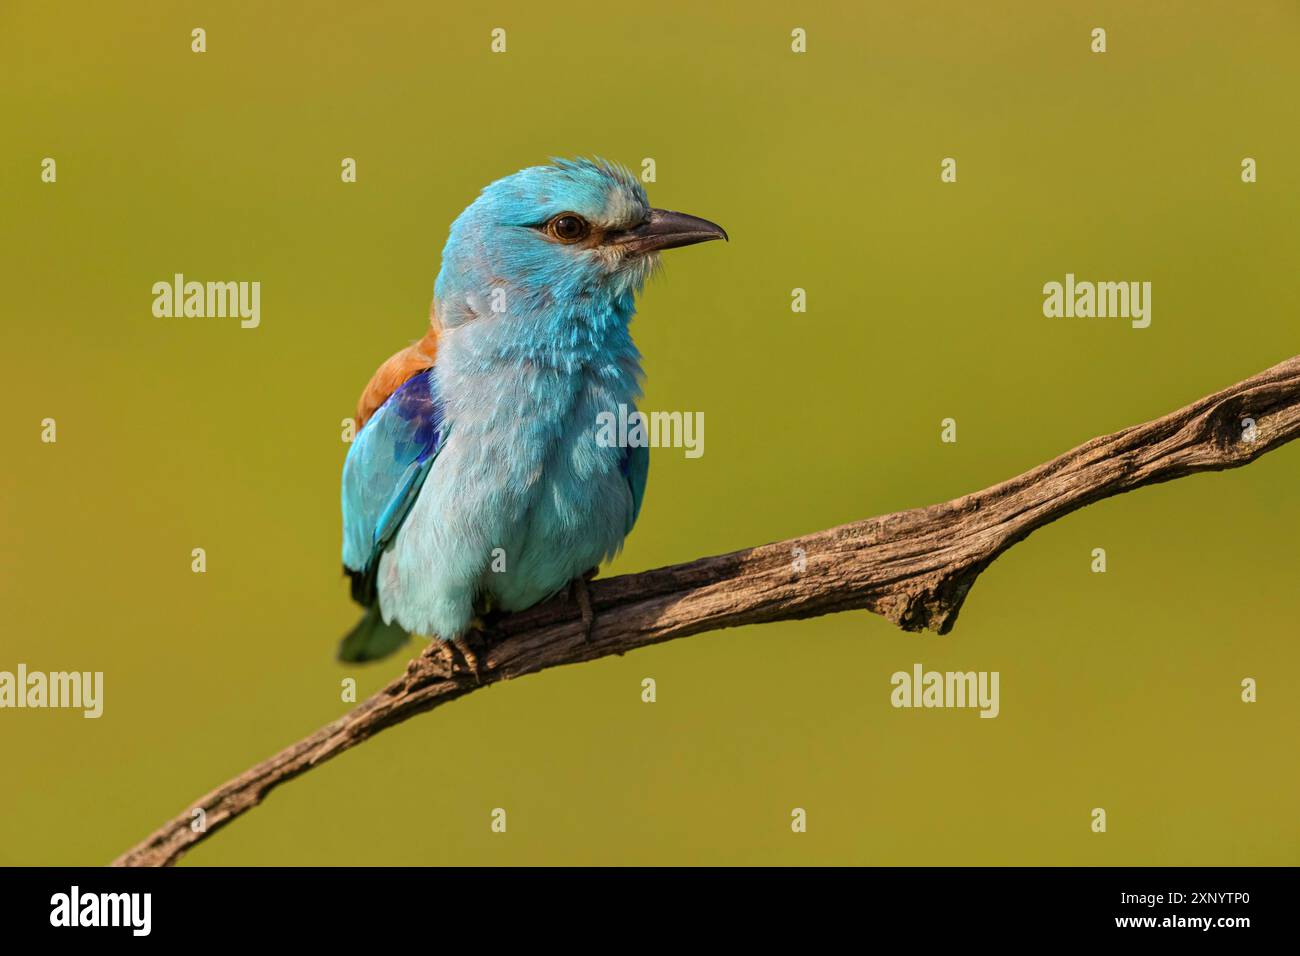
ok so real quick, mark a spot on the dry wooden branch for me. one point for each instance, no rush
(914, 568)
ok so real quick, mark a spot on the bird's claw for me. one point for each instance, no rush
(471, 659)
(446, 651)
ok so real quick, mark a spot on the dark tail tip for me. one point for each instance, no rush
(371, 639)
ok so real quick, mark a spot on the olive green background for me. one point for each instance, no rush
(1119, 690)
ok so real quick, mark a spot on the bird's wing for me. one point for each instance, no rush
(636, 468)
(390, 376)
(385, 469)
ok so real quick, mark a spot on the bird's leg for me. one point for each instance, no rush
(578, 589)
(446, 651)
(462, 645)
(471, 660)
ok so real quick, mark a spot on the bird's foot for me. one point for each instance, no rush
(471, 659)
(445, 656)
(446, 651)
(579, 592)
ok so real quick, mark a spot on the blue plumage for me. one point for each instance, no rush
(480, 480)
(384, 472)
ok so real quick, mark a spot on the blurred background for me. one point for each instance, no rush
(1118, 690)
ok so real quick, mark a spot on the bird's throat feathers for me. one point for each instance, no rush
(564, 337)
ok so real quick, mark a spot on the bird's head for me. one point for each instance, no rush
(572, 237)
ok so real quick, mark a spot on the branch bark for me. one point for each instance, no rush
(913, 567)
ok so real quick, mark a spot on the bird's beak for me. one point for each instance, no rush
(667, 230)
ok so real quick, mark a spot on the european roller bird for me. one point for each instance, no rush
(476, 479)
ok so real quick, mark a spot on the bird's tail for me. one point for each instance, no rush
(371, 639)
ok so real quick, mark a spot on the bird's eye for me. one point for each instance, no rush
(567, 227)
